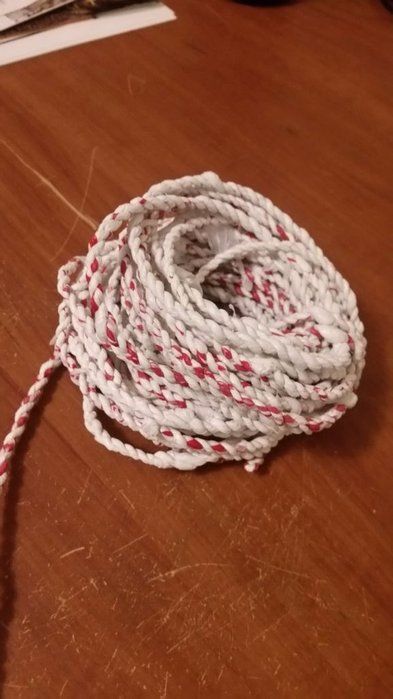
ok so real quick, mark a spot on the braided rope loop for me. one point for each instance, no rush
(204, 318)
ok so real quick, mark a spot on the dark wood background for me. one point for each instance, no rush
(123, 581)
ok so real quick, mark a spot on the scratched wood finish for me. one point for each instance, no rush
(123, 581)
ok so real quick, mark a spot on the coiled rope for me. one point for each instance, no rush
(204, 318)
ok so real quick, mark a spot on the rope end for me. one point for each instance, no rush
(252, 465)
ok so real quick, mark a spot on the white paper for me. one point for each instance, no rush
(33, 9)
(106, 24)
(7, 6)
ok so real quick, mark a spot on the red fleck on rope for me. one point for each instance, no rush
(203, 317)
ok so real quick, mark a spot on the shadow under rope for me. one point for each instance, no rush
(9, 529)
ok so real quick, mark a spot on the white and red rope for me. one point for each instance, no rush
(204, 318)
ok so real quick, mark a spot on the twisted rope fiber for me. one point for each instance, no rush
(204, 318)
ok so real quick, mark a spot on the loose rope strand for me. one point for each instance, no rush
(204, 318)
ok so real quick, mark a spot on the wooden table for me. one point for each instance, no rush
(123, 581)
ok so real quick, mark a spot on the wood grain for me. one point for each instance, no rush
(123, 581)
